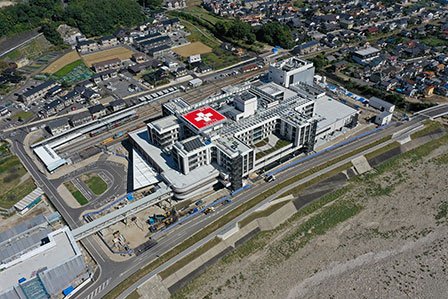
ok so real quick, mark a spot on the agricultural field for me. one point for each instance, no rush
(15, 182)
(62, 62)
(119, 52)
(74, 72)
(192, 49)
(382, 234)
(32, 50)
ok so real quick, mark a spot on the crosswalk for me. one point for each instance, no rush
(95, 293)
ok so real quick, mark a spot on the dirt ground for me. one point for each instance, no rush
(192, 49)
(393, 246)
(61, 62)
(119, 52)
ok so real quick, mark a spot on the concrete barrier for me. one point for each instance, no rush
(229, 241)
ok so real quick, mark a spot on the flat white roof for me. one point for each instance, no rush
(367, 51)
(143, 173)
(166, 163)
(49, 157)
(61, 248)
(29, 199)
(329, 111)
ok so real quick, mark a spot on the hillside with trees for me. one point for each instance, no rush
(93, 18)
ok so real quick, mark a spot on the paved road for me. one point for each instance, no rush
(111, 273)
(117, 272)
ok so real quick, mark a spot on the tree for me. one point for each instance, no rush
(276, 34)
(51, 34)
(103, 16)
(236, 29)
(151, 3)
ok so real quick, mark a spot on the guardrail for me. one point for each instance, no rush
(333, 147)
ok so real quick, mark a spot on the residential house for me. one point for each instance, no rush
(117, 105)
(160, 51)
(194, 58)
(70, 98)
(87, 46)
(58, 126)
(139, 57)
(81, 118)
(180, 72)
(175, 4)
(97, 111)
(104, 76)
(107, 65)
(108, 42)
(38, 92)
(53, 107)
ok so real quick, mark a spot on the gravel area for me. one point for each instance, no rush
(394, 246)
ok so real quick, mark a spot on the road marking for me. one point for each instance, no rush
(98, 289)
(96, 251)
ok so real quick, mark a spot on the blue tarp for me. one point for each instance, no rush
(23, 279)
(68, 290)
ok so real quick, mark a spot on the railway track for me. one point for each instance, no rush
(154, 109)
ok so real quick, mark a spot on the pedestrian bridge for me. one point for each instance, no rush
(163, 193)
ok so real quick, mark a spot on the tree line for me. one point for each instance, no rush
(272, 33)
(93, 18)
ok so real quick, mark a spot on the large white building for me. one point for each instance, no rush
(39, 262)
(225, 138)
(291, 71)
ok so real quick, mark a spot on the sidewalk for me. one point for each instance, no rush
(233, 222)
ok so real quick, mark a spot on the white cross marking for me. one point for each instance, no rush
(205, 117)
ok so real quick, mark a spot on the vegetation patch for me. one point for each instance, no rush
(318, 224)
(296, 191)
(434, 41)
(429, 128)
(23, 115)
(382, 150)
(230, 216)
(442, 212)
(61, 62)
(443, 159)
(134, 295)
(187, 259)
(17, 193)
(68, 68)
(96, 184)
(76, 193)
(12, 188)
(219, 59)
(261, 214)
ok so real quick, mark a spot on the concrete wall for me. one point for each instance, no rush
(230, 240)
(277, 218)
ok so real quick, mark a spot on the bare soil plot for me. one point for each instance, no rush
(59, 63)
(119, 52)
(383, 237)
(192, 49)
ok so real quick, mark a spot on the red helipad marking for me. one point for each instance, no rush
(204, 117)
